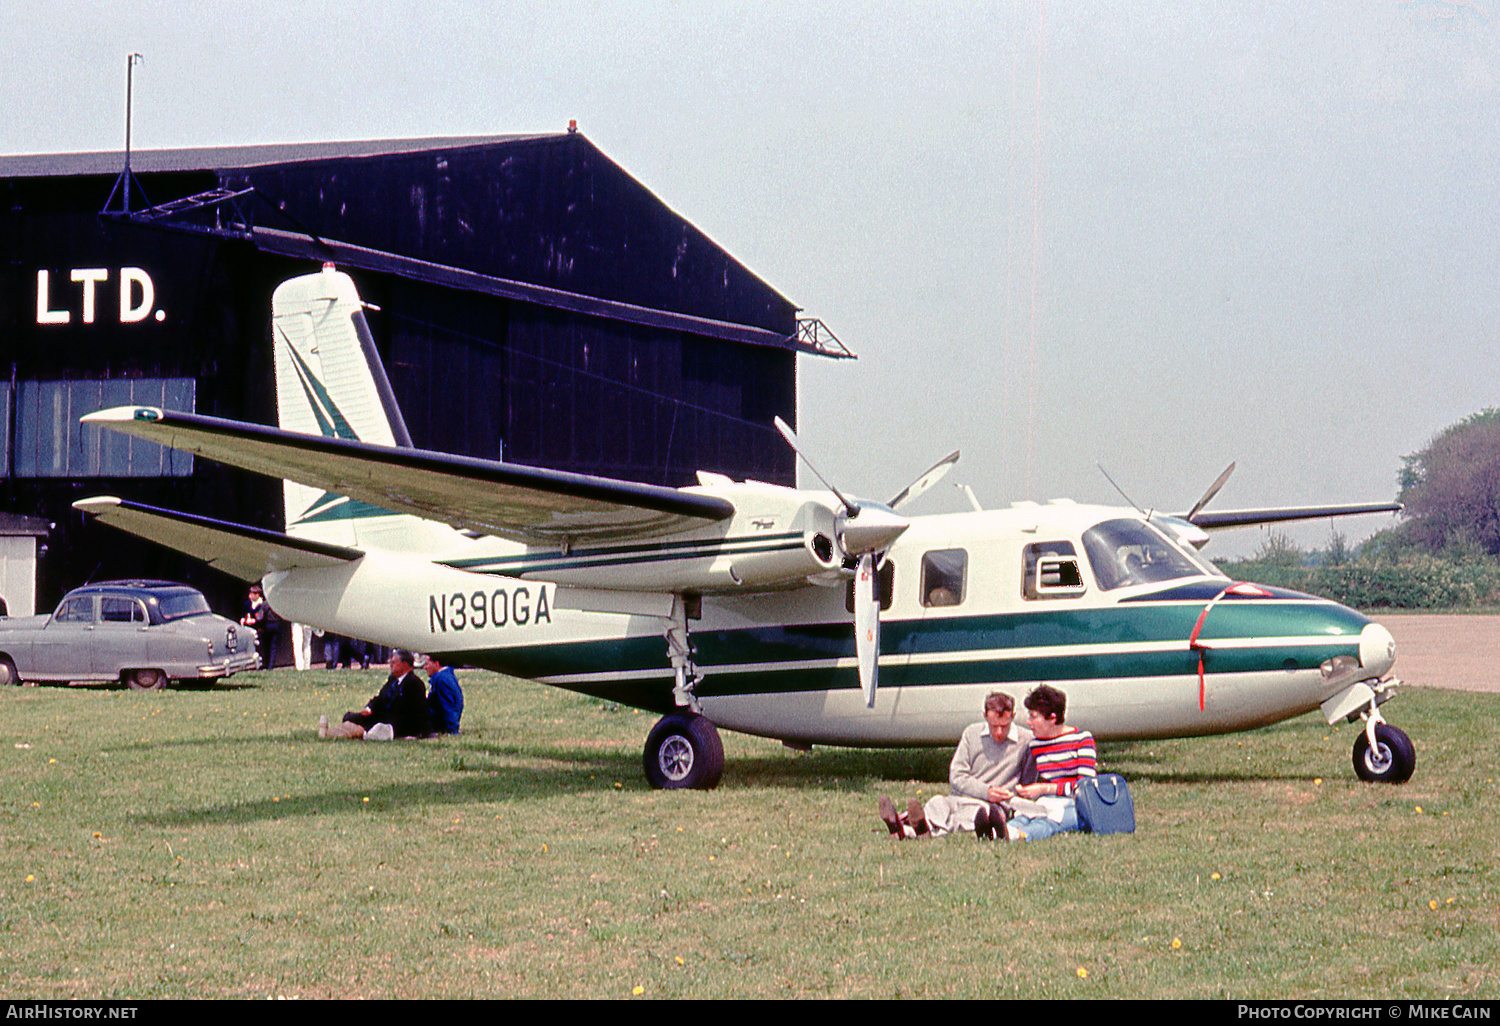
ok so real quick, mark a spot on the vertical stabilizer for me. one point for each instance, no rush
(330, 381)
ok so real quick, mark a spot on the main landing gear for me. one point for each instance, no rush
(683, 749)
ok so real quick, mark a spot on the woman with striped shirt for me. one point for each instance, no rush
(1063, 755)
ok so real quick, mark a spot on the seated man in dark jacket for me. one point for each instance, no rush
(402, 703)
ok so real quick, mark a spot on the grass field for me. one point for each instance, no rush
(204, 843)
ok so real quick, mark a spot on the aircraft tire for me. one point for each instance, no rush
(684, 750)
(146, 680)
(1391, 761)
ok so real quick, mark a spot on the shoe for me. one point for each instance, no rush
(997, 823)
(915, 817)
(322, 726)
(888, 815)
(982, 828)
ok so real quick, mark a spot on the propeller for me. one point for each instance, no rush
(865, 530)
(1213, 490)
(931, 476)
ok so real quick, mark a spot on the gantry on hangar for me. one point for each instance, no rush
(534, 303)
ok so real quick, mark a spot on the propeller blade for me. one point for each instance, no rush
(931, 476)
(851, 508)
(1213, 490)
(867, 627)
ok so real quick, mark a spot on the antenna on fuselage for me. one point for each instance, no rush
(1142, 512)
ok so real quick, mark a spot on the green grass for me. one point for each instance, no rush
(206, 844)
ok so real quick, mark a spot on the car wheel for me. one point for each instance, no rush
(8, 674)
(146, 680)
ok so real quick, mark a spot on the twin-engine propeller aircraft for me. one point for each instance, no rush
(729, 603)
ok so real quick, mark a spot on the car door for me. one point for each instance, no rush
(64, 647)
(119, 640)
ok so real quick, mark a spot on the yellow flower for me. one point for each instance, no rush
(639, 990)
(1432, 905)
(98, 834)
(1419, 810)
(1317, 780)
(1083, 973)
(1176, 943)
(366, 798)
(1216, 876)
(30, 878)
(680, 961)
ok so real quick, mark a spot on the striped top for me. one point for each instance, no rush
(1062, 760)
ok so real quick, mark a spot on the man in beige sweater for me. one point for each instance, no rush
(985, 769)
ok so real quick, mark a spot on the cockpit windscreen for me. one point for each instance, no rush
(1125, 552)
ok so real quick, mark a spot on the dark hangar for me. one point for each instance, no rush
(535, 303)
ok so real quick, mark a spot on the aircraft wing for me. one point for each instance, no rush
(248, 553)
(528, 504)
(1224, 519)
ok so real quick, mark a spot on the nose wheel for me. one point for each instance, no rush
(1389, 760)
(684, 750)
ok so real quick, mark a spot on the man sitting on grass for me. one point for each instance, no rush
(1063, 756)
(981, 778)
(402, 703)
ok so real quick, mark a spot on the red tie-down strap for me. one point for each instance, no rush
(1244, 588)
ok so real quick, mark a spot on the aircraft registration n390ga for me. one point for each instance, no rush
(804, 615)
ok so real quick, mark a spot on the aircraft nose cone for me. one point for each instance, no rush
(874, 529)
(1377, 650)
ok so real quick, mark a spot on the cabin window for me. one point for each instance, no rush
(944, 573)
(1052, 570)
(885, 587)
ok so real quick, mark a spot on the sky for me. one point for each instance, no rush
(1152, 237)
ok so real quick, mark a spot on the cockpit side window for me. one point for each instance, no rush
(1125, 552)
(1052, 570)
(944, 577)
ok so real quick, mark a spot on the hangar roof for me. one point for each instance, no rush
(216, 158)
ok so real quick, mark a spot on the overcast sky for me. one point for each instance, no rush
(1156, 237)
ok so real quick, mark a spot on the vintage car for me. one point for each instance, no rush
(144, 633)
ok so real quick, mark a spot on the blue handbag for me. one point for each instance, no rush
(1104, 805)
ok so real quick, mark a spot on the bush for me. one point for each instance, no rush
(1422, 582)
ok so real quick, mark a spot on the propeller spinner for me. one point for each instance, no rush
(865, 530)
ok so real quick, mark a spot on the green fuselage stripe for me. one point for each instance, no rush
(959, 650)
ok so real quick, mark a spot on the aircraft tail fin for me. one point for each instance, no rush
(330, 381)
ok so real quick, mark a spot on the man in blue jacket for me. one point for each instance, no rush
(445, 699)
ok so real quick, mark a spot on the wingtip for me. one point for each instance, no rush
(97, 503)
(121, 414)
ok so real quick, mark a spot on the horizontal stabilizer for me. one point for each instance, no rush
(248, 553)
(1248, 517)
(527, 504)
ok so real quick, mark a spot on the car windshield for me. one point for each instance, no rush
(1125, 552)
(176, 605)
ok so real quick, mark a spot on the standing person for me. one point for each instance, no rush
(981, 777)
(402, 703)
(1063, 756)
(260, 615)
(302, 636)
(445, 699)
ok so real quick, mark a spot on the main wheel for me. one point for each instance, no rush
(8, 674)
(684, 750)
(1391, 761)
(146, 680)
